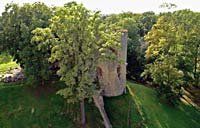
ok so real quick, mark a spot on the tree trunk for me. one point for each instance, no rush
(82, 112)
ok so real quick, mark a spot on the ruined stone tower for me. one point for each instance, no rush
(112, 78)
(112, 75)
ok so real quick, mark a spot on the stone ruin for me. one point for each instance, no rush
(111, 74)
(112, 78)
(13, 75)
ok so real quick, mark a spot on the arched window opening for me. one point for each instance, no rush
(119, 71)
(99, 71)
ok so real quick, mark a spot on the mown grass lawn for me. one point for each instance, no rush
(160, 115)
(23, 107)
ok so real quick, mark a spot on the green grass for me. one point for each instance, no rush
(20, 108)
(23, 107)
(6, 66)
(118, 110)
(160, 115)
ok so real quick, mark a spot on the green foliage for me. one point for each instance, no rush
(162, 48)
(145, 22)
(5, 58)
(136, 48)
(18, 22)
(168, 78)
(79, 41)
(1, 35)
(173, 43)
(137, 25)
(188, 36)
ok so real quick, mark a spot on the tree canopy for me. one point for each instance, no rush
(18, 22)
(79, 40)
(173, 52)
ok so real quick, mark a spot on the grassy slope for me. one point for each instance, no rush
(160, 115)
(21, 109)
(122, 109)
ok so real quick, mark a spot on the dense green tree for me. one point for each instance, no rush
(168, 78)
(145, 21)
(187, 27)
(162, 54)
(18, 22)
(175, 37)
(5, 58)
(80, 40)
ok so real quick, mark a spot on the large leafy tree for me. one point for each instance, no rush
(162, 55)
(79, 41)
(187, 25)
(175, 39)
(18, 22)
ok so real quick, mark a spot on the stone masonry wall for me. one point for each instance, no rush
(112, 75)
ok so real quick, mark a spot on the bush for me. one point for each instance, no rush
(5, 58)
